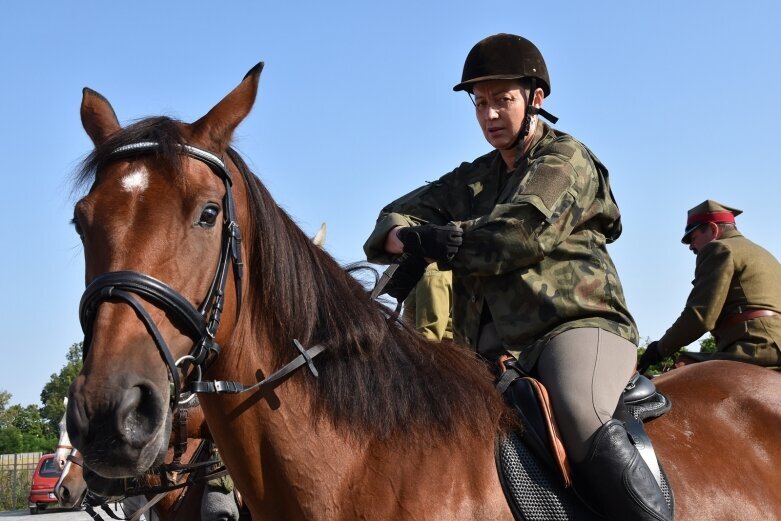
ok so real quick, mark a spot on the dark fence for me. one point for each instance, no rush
(16, 474)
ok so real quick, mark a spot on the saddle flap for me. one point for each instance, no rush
(557, 446)
(530, 398)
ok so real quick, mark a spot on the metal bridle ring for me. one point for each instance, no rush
(198, 379)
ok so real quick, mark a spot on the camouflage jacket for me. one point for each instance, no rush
(732, 275)
(534, 246)
(429, 304)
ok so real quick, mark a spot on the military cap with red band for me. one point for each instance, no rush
(708, 212)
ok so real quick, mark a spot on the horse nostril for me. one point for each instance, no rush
(140, 414)
(64, 493)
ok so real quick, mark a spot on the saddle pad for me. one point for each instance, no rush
(534, 493)
(649, 409)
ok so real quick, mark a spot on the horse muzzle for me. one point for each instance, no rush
(121, 427)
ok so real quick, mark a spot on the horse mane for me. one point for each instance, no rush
(379, 379)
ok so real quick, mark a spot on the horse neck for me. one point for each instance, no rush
(307, 468)
(298, 459)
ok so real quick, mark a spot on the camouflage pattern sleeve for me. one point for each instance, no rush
(551, 200)
(712, 277)
(427, 204)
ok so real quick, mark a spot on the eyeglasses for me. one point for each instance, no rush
(501, 103)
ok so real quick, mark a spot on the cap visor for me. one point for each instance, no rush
(686, 239)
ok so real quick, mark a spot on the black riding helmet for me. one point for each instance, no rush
(508, 57)
(504, 57)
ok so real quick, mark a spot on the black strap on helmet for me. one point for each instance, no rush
(531, 111)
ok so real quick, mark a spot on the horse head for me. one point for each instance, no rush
(160, 298)
(71, 486)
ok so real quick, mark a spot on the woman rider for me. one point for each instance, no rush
(524, 230)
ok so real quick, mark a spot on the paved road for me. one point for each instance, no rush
(54, 514)
(46, 515)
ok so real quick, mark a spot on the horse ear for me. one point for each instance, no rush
(319, 238)
(97, 116)
(216, 128)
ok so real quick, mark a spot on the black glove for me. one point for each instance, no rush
(432, 241)
(405, 277)
(649, 358)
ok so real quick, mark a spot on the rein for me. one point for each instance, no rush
(169, 474)
(200, 324)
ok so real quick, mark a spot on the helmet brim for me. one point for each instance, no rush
(469, 84)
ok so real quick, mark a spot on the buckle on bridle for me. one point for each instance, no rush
(307, 358)
(197, 367)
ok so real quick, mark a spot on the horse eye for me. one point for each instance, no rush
(209, 215)
(77, 226)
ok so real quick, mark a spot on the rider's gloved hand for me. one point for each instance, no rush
(405, 277)
(649, 358)
(432, 241)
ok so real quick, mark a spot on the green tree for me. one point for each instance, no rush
(27, 419)
(31, 428)
(5, 417)
(10, 440)
(56, 389)
(708, 345)
(666, 363)
(22, 429)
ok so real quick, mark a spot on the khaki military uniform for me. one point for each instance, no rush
(732, 276)
(534, 257)
(428, 306)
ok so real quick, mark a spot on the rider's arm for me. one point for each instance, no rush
(712, 276)
(427, 204)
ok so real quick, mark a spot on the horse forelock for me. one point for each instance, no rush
(168, 132)
(378, 378)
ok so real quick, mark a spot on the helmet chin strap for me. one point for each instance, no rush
(531, 111)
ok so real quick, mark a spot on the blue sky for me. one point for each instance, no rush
(678, 99)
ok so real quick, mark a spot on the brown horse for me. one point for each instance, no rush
(380, 424)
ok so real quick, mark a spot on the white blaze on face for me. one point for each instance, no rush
(136, 181)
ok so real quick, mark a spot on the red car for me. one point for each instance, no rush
(44, 479)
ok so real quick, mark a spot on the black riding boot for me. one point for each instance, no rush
(620, 480)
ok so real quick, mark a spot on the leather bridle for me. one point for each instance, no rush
(200, 324)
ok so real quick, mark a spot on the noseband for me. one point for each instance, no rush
(200, 324)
